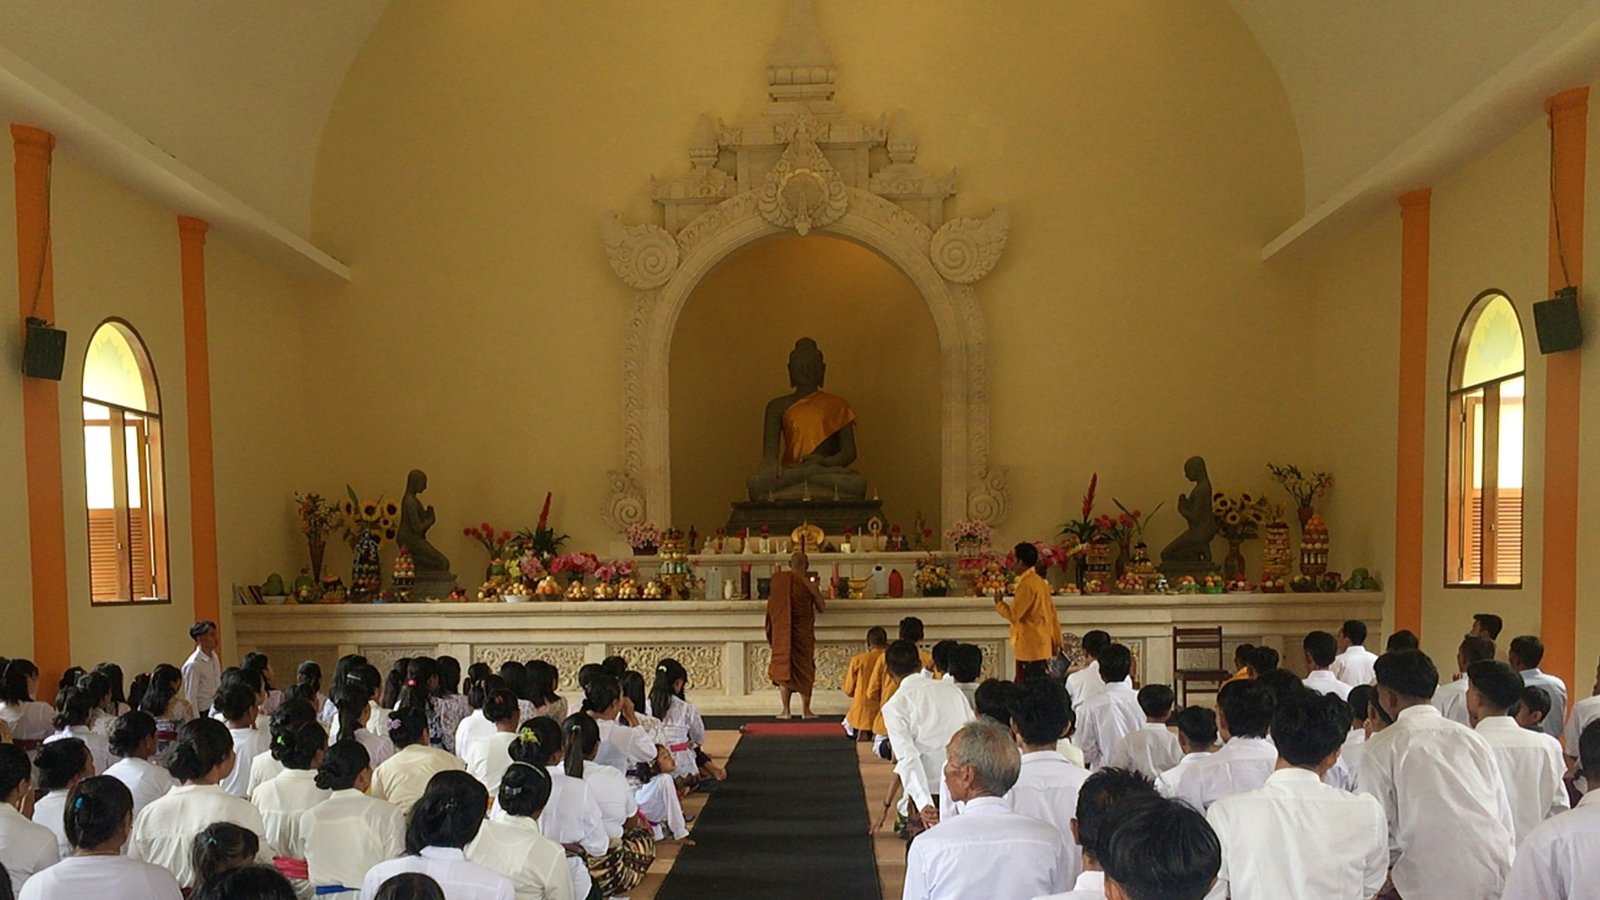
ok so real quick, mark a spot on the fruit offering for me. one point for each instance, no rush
(548, 589)
(1096, 586)
(1276, 556)
(577, 591)
(1274, 585)
(458, 595)
(1302, 584)
(1314, 547)
(654, 591)
(1187, 585)
(1330, 582)
(332, 589)
(1213, 584)
(628, 589)
(405, 571)
(1130, 583)
(1069, 589)
(605, 591)
(1240, 586)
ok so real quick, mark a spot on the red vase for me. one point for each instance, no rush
(897, 584)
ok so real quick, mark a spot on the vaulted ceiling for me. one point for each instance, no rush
(239, 92)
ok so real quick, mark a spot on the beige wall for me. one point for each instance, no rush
(1145, 152)
(731, 347)
(116, 254)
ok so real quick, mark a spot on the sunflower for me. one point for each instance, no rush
(389, 533)
(348, 508)
(369, 511)
(1233, 517)
(390, 509)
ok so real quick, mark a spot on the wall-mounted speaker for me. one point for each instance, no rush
(44, 352)
(1556, 322)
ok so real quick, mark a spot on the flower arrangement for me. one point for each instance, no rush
(1240, 518)
(1304, 488)
(495, 542)
(932, 574)
(974, 533)
(1085, 527)
(576, 565)
(317, 514)
(644, 537)
(531, 569)
(614, 572)
(544, 541)
(375, 517)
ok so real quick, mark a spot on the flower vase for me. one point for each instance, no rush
(645, 550)
(1124, 554)
(1233, 563)
(1305, 513)
(317, 546)
(1080, 568)
(932, 591)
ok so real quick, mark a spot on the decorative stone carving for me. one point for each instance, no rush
(833, 660)
(804, 165)
(643, 256)
(382, 658)
(965, 250)
(567, 659)
(703, 662)
(803, 191)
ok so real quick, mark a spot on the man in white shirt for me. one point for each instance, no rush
(1086, 682)
(1345, 772)
(1111, 714)
(1152, 748)
(1321, 650)
(1583, 712)
(1104, 798)
(202, 671)
(920, 719)
(1530, 761)
(1353, 665)
(988, 851)
(1197, 738)
(1451, 699)
(1244, 714)
(1449, 819)
(1486, 625)
(1047, 787)
(1561, 858)
(1296, 836)
(1525, 654)
(1161, 849)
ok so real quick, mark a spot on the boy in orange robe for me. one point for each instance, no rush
(863, 707)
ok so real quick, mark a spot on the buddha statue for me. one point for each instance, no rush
(808, 439)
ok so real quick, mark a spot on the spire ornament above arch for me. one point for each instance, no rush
(804, 166)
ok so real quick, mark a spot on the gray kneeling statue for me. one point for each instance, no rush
(433, 567)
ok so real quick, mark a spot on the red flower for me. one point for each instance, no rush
(467, 531)
(544, 514)
(1088, 497)
(505, 535)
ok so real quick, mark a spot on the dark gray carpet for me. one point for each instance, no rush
(791, 821)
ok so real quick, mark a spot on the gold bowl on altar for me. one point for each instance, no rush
(858, 588)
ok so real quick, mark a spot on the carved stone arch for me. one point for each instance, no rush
(803, 166)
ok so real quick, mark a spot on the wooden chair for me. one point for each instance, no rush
(1197, 659)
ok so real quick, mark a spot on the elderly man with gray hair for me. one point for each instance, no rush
(988, 851)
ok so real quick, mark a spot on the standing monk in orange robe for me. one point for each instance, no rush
(792, 607)
(1035, 629)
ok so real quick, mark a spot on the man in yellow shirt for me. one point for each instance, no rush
(863, 701)
(1035, 630)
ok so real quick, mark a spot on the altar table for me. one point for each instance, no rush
(722, 643)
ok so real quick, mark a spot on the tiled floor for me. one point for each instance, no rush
(720, 745)
(890, 850)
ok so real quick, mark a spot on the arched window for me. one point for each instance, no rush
(1484, 482)
(122, 468)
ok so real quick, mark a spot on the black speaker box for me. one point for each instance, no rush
(1556, 321)
(44, 353)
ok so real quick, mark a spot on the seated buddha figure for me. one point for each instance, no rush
(808, 438)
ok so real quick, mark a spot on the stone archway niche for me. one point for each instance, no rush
(727, 361)
(804, 165)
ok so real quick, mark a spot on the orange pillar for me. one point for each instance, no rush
(1411, 460)
(1569, 112)
(197, 383)
(41, 409)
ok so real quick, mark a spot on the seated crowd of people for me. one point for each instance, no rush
(214, 784)
(1364, 778)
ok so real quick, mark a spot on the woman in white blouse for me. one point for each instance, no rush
(402, 779)
(62, 764)
(654, 784)
(572, 817)
(25, 848)
(681, 726)
(133, 739)
(99, 818)
(487, 757)
(513, 846)
(286, 798)
(74, 706)
(160, 694)
(480, 683)
(445, 819)
(344, 836)
(622, 746)
(580, 741)
(164, 833)
(352, 704)
(28, 719)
